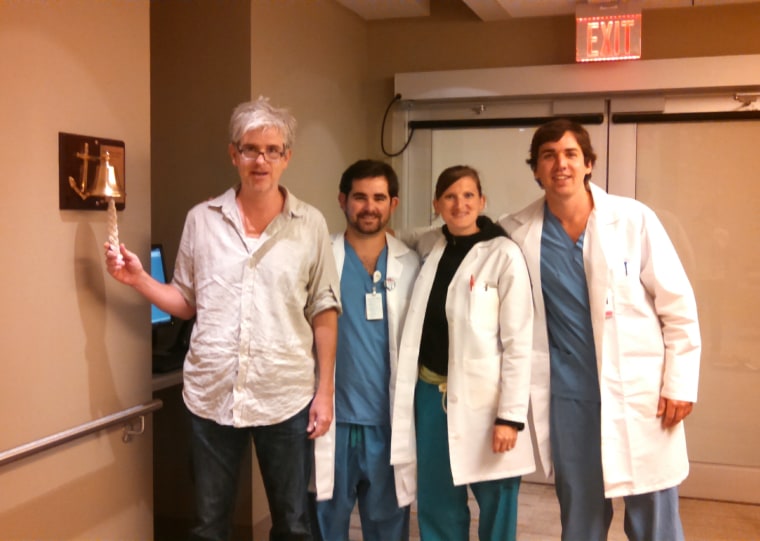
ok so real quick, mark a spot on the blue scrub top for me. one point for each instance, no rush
(568, 316)
(362, 364)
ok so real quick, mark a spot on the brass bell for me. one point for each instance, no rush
(106, 184)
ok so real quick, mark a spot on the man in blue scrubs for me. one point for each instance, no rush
(377, 272)
(616, 345)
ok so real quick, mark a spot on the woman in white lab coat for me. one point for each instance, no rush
(464, 370)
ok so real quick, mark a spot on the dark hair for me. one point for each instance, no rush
(451, 174)
(552, 131)
(368, 169)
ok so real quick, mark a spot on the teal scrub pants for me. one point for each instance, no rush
(442, 508)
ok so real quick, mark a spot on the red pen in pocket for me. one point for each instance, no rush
(472, 282)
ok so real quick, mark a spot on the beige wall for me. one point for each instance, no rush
(312, 58)
(74, 344)
(453, 39)
(200, 70)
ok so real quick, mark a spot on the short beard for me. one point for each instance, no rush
(356, 225)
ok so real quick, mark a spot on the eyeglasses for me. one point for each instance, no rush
(271, 154)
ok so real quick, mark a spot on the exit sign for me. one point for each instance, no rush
(607, 32)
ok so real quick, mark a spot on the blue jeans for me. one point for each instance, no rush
(285, 456)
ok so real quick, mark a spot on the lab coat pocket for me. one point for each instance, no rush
(628, 298)
(482, 381)
(484, 307)
(625, 289)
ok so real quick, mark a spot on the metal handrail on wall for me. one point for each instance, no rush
(124, 417)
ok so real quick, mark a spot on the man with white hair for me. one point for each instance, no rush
(255, 266)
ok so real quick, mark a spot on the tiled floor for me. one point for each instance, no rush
(538, 519)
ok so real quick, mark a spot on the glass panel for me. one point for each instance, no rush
(701, 180)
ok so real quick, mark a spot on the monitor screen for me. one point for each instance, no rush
(158, 271)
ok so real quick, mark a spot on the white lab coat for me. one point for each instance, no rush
(490, 334)
(402, 267)
(646, 336)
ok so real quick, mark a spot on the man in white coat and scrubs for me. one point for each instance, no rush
(377, 273)
(616, 345)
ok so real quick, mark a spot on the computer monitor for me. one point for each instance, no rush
(158, 271)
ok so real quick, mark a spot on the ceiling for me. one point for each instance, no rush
(496, 10)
